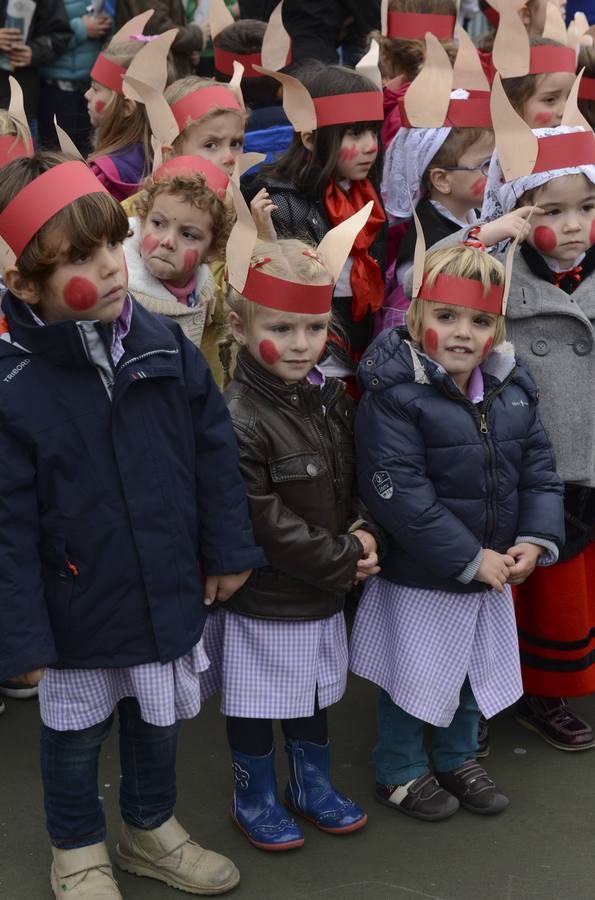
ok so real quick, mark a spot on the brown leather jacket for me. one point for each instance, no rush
(298, 467)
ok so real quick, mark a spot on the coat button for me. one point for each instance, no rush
(582, 347)
(375, 381)
(294, 398)
(369, 362)
(312, 470)
(540, 347)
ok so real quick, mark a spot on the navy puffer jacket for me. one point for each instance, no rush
(445, 477)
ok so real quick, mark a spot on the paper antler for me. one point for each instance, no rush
(511, 53)
(133, 26)
(368, 64)
(67, 145)
(150, 65)
(572, 114)
(161, 119)
(337, 243)
(467, 69)
(516, 144)
(276, 43)
(426, 101)
(297, 102)
(219, 17)
(508, 261)
(242, 239)
(554, 28)
(419, 255)
(16, 107)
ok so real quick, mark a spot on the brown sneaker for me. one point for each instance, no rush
(474, 788)
(422, 798)
(554, 721)
(84, 874)
(167, 854)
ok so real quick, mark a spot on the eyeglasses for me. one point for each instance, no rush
(483, 167)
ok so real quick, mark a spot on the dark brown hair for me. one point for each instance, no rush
(586, 59)
(458, 142)
(400, 56)
(244, 37)
(519, 90)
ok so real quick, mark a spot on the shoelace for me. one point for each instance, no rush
(475, 773)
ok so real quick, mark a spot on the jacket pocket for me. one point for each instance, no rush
(298, 467)
(59, 577)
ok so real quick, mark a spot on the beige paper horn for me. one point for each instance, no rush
(150, 64)
(427, 98)
(368, 64)
(7, 256)
(219, 17)
(572, 115)
(276, 43)
(581, 22)
(67, 145)
(242, 239)
(516, 144)
(161, 118)
(508, 261)
(554, 28)
(297, 101)
(419, 255)
(384, 17)
(511, 53)
(468, 73)
(133, 26)
(16, 107)
(337, 243)
(235, 83)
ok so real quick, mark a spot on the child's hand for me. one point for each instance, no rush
(221, 587)
(525, 556)
(509, 226)
(262, 208)
(9, 37)
(32, 678)
(494, 569)
(368, 564)
(96, 26)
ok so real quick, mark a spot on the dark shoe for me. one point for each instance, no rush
(422, 798)
(551, 718)
(483, 738)
(2, 706)
(18, 690)
(310, 793)
(256, 808)
(474, 788)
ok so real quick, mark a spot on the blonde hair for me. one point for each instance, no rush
(118, 131)
(289, 259)
(189, 85)
(462, 262)
(10, 126)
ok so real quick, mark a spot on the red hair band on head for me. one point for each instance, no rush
(224, 61)
(197, 104)
(108, 73)
(548, 58)
(287, 296)
(43, 198)
(414, 26)
(586, 89)
(457, 291)
(11, 147)
(215, 178)
(341, 109)
(562, 151)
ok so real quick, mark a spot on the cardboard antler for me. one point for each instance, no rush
(419, 255)
(467, 70)
(150, 65)
(426, 101)
(511, 53)
(16, 107)
(572, 114)
(516, 144)
(276, 43)
(337, 243)
(554, 28)
(240, 244)
(297, 102)
(67, 145)
(133, 26)
(161, 118)
(219, 17)
(368, 64)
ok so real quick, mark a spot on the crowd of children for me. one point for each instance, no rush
(397, 308)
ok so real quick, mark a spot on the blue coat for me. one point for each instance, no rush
(444, 477)
(107, 506)
(76, 62)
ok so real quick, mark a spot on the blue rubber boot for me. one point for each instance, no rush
(256, 808)
(309, 792)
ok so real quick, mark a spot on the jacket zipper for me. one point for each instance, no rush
(144, 356)
(331, 462)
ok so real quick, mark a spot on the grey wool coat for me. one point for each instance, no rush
(554, 335)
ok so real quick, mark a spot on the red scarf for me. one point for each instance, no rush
(367, 283)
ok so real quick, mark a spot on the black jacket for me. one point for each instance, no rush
(435, 227)
(49, 36)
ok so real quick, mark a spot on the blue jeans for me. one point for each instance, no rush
(400, 755)
(69, 763)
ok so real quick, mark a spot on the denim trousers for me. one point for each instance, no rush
(400, 754)
(69, 771)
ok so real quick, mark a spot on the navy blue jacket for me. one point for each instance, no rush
(445, 477)
(107, 506)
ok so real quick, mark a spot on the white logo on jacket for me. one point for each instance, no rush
(383, 484)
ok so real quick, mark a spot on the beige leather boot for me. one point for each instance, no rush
(167, 854)
(84, 874)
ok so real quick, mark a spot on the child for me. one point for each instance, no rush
(122, 154)
(15, 135)
(540, 97)
(331, 170)
(586, 94)
(120, 493)
(551, 319)
(287, 627)
(182, 224)
(456, 466)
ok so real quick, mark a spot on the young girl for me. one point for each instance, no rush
(330, 171)
(122, 154)
(586, 94)
(182, 224)
(550, 318)
(120, 486)
(455, 465)
(280, 651)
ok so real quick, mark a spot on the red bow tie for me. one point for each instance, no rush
(575, 273)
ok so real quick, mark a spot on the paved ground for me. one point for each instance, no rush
(542, 848)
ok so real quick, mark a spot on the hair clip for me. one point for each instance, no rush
(473, 240)
(143, 38)
(312, 254)
(260, 261)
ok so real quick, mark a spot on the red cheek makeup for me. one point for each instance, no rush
(544, 239)
(80, 293)
(100, 106)
(487, 346)
(592, 233)
(149, 243)
(543, 118)
(190, 260)
(478, 187)
(430, 341)
(268, 352)
(348, 153)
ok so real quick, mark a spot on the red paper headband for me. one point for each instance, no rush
(11, 147)
(224, 61)
(586, 89)
(457, 291)
(194, 106)
(414, 26)
(474, 112)
(215, 178)
(43, 198)
(570, 150)
(108, 73)
(287, 296)
(339, 109)
(547, 58)
(492, 16)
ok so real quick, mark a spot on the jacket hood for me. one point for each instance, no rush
(394, 359)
